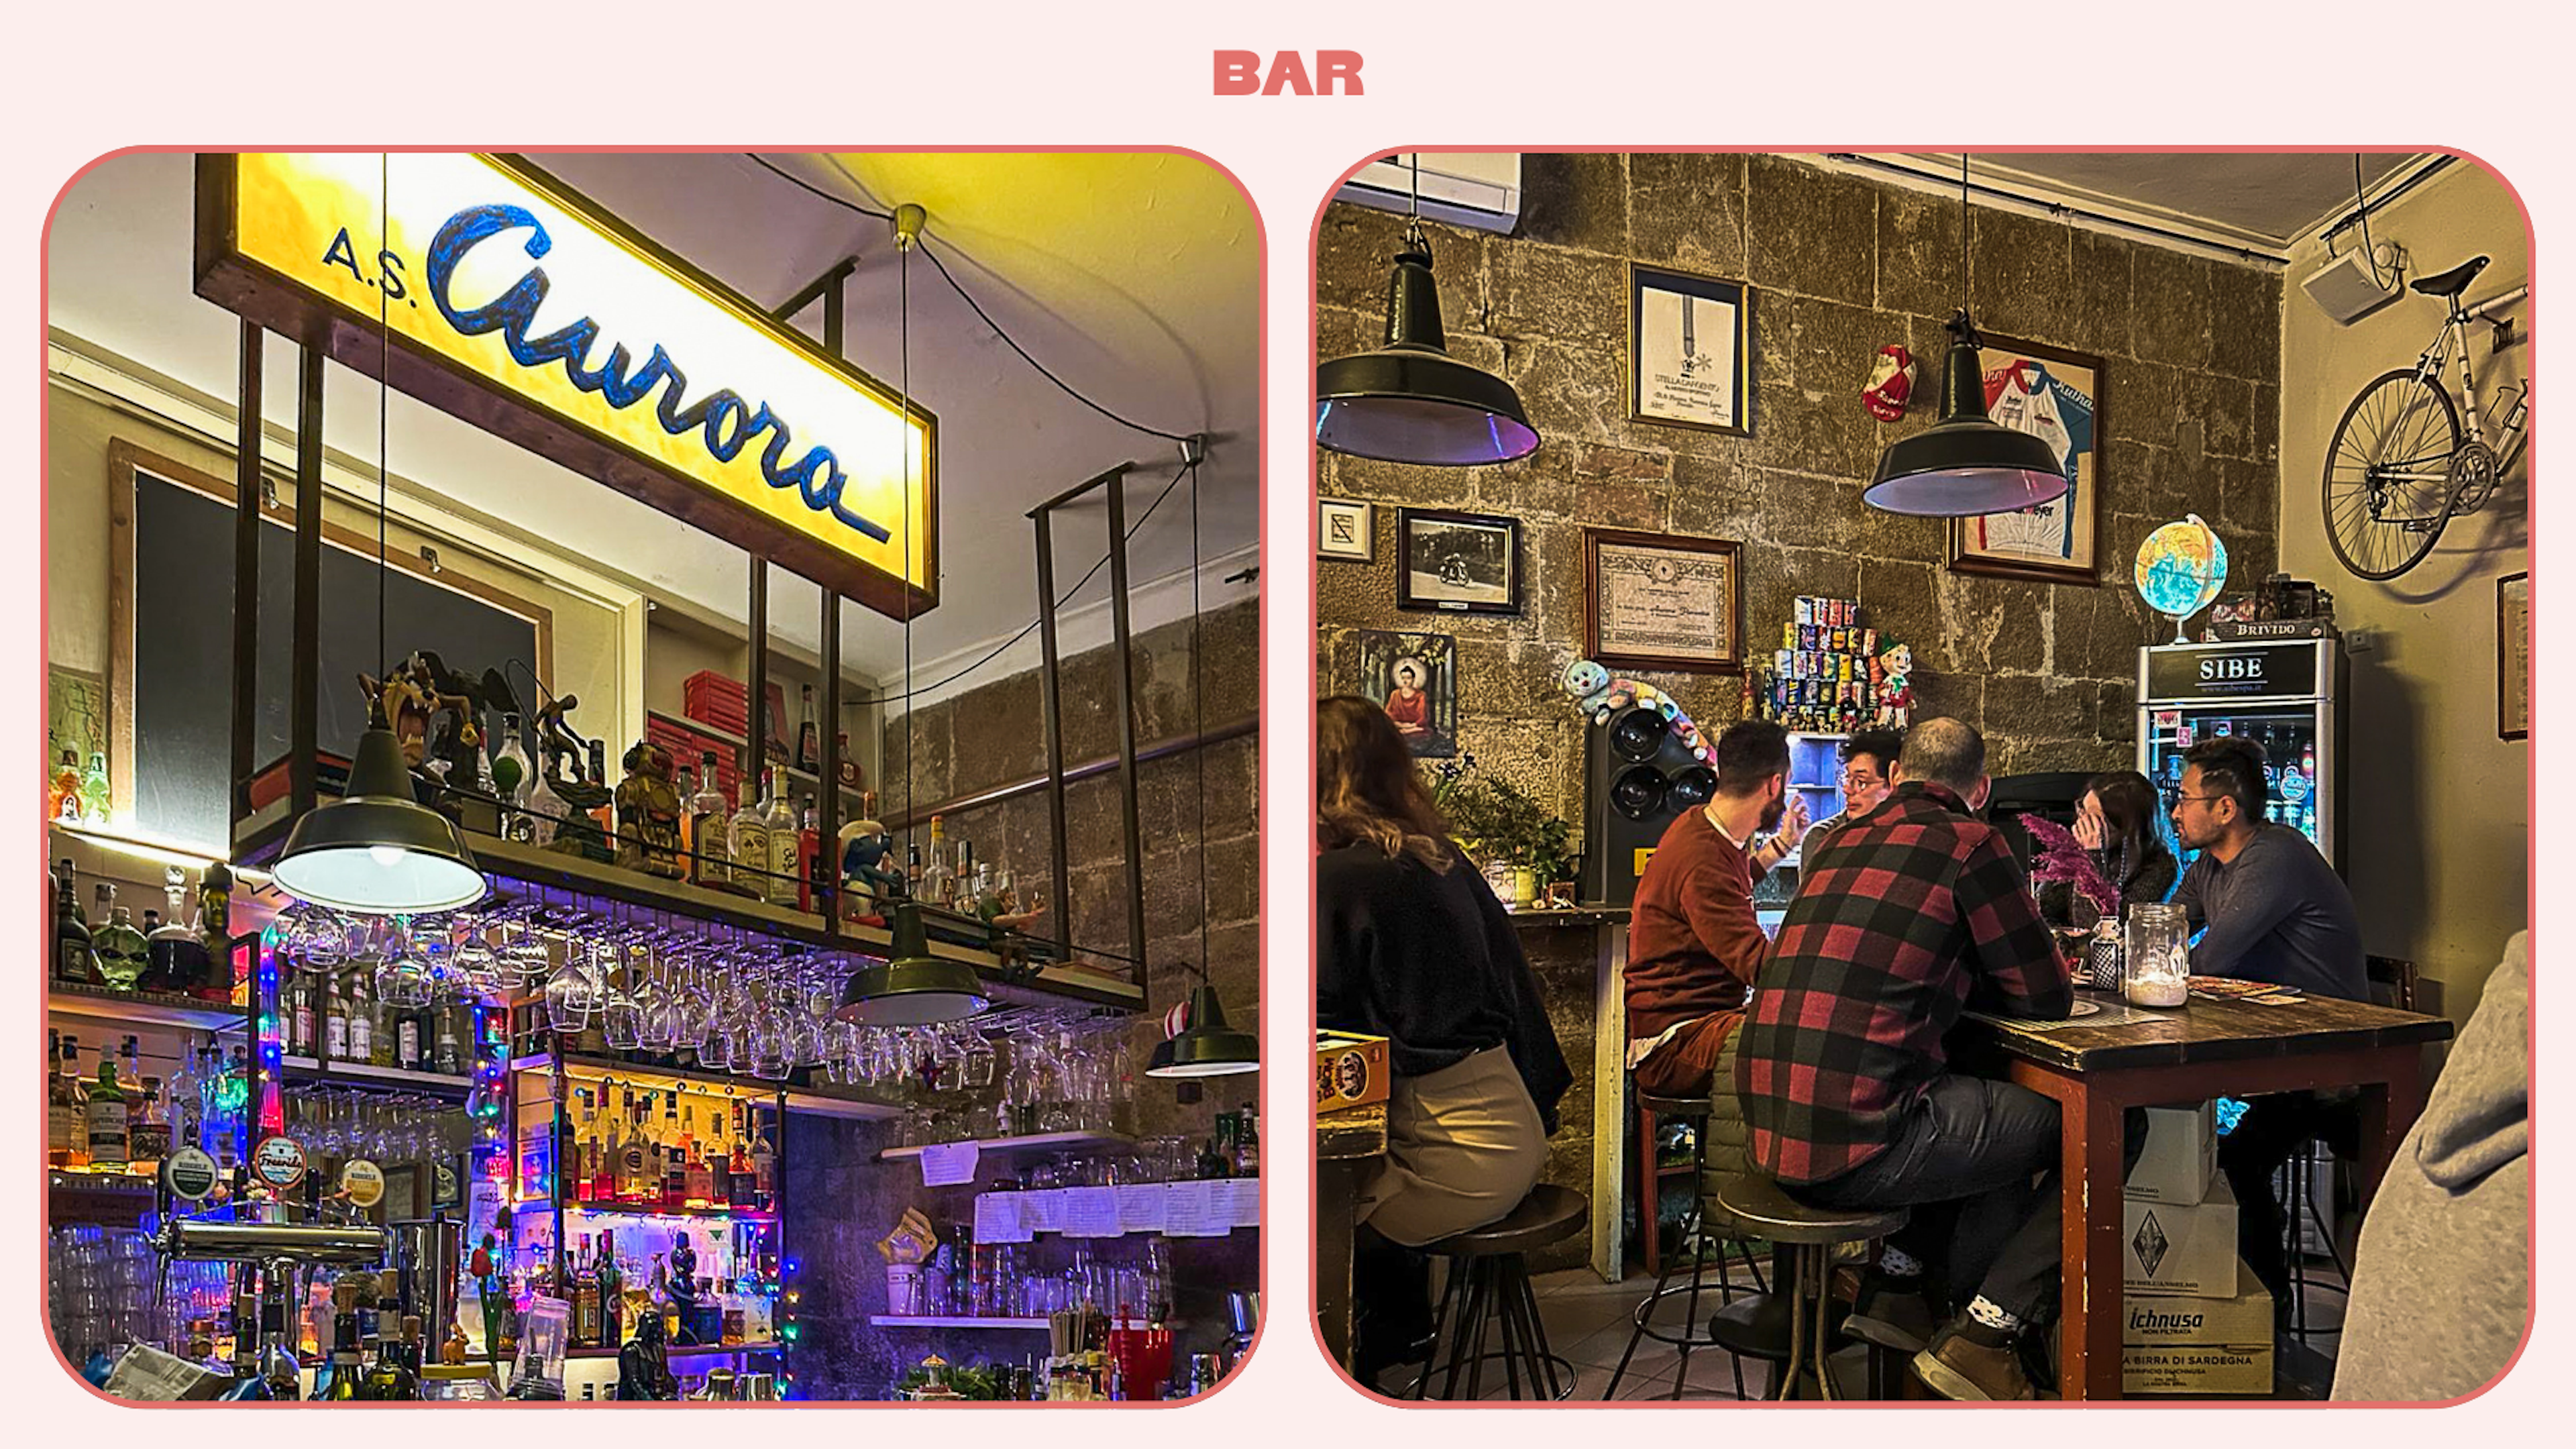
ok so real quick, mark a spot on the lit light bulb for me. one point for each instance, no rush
(387, 856)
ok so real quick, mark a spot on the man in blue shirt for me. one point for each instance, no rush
(2275, 911)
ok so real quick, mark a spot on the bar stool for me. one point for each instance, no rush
(1811, 1233)
(1695, 1111)
(1493, 1264)
(2394, 982)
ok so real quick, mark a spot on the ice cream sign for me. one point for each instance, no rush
(519, 306)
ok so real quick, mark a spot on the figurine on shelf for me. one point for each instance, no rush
(402, 700)
(644, 1364)
(557, 742)
(867, 874)
(648, 813)
(1895, 685)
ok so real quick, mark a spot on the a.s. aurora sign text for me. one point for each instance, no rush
(520, 307)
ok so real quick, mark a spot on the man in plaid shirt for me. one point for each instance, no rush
(1909, 915)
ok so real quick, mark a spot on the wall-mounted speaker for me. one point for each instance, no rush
(2349, 288)
(1638, 778)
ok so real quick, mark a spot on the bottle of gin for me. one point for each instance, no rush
(123, 953)
(108, 1132)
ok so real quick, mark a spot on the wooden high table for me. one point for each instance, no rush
(2190, 1054)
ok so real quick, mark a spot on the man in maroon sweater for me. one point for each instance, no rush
(1693, 944)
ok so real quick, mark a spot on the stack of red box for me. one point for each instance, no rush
(712, 699)
(688, 747)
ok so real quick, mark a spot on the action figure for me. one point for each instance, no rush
(866, 872)
(648, 813)
(1895, 686)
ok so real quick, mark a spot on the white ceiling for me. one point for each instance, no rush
(2266, 197)
(1134, 278)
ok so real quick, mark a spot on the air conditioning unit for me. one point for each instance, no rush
(2348, 287)
(1476, 189)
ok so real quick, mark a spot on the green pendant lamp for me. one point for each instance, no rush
(377, 851)
(1205, 1046)
(1967, 464)
(913, 988)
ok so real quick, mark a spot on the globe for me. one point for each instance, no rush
(2181, 567)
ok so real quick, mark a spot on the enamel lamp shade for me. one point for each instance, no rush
(914, 988)
(1409, 401)
(1967, 464)
(1207, 1047)
(376, 850)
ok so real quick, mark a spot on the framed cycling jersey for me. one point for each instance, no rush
(2054, 395)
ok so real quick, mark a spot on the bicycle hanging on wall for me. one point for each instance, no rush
(2399, 468)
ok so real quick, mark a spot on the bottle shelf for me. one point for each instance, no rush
(1035, 1142)
(622, 1210)
(686, 1350)
(106, 1184)
(142, 1008)
(904, 1320)
(368, 1074)
(809, 1100)
(741, 747)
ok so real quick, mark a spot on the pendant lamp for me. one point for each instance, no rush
(1967, 464)
(1409, 401)
(377, 850)
(913, 988)
(1206, 1046)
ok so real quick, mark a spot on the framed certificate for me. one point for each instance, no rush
(1660, 601)
(1690, 351)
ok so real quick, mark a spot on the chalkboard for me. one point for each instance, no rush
(181, 649)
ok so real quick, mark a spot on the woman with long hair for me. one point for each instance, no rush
(1411, 945)
(2122, 822)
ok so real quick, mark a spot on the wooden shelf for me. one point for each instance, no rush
(813, 1101)
(1036, 1142)
(133, 1008)
(621, 1210)
(905, 1320)
(741, 747)
(371, 1075)
(687, 1350)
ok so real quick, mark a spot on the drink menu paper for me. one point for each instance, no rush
(1247, 1201)
(1044, 1209)
(1092, 1212)
(948, 1164)
(1140, 1207)
(1201, 1209)
(998, 1218)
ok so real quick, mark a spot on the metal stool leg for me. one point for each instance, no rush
(1818, 1269)
(1483, 1301)
(1645, 1312)
(1440, 1321)
(1787, 1387)
(1534, 1332)
(1507, 1301)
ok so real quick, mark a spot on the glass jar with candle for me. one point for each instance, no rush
(2157, 956)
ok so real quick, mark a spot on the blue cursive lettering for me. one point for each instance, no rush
(724, 422)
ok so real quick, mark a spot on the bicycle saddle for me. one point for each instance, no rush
(2451, 283)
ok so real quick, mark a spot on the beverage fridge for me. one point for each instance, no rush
(2284, 694)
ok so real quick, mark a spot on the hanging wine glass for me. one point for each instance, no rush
(403, 977)
(653, 1025)
(573, 992)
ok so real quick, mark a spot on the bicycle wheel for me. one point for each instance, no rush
(2388, 477)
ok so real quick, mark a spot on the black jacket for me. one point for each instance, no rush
(1428, 959)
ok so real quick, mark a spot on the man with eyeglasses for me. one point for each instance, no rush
(2273, 911)
(1867, 757)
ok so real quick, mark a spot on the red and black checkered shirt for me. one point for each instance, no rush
(1906, 917)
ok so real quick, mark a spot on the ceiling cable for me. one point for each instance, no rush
(969, 298)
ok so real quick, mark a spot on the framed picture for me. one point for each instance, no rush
(1660, 601)
(1457, 563)
(1344, 529)
(1690, 351)
(2055, 395)
(2513, 657)
(1414, 678)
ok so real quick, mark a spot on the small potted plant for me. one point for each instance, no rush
(1524, 848)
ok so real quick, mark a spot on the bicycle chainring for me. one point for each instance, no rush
(2473, 478)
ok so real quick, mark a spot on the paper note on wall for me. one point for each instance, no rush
(948, 1164)
(1140, 1206)
(1200, 1209)
(1091, 1212)
(998, 1218)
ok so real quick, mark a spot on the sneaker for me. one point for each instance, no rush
(1956, 1367)
(1892, 1313)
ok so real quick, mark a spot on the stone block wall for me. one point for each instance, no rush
(1840, 265)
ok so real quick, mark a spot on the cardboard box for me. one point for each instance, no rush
(2199, 1345)
(1350, 1070)
(2181, 1158)
(2170, 1249)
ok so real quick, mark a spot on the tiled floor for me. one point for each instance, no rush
(1588, 1323)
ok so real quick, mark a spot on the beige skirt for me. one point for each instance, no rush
(1463, 1147)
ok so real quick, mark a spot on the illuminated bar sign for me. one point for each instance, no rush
(517, 305)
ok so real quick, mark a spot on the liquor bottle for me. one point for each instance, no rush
(609, 1283)
(543, 811)
(94, 794)
(362, 1018)
(511, 775)
(1247, 1144)
(449, 1060)
(764, 1169)
(585, 1299)
(631, 1184)
(706, 826)
(407, 1043)
(333, 1044)
(1216, 1159)
(393, 1380)
(698, 1179)
(742, 1184)
(123, 954)
(809, 741)
(747, 841)
(850, 776)
(63, 791)
(912, 871)
(150, 1133)
(66, 1114)
(108, 1131)
(938, 882)
(674, 1191)
(813, 889)
(785, 874)
(214, 932)
(75, 960)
